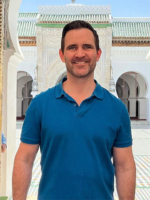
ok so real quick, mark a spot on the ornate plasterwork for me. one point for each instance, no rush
(55, 69)
(29, 54)
(7, 39)
(102, 71)
(54, 35)
(75, 9)
(50, 67)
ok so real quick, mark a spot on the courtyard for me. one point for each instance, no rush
(141, 151)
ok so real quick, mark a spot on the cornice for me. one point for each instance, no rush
(25, 41)
(131, 42)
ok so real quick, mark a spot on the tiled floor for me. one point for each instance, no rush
(141, 151)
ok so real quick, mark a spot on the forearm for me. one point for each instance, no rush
(21, 179)
(126, 180)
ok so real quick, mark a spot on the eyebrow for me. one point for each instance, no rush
(84, 45)
(72, 45)
(88, 45)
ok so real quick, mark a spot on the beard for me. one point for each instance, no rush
(80, 68)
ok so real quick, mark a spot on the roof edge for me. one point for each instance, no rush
(131, 19)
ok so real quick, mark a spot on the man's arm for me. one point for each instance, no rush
(125, 172)
(3, 148)
(23, 170)
(3, 145)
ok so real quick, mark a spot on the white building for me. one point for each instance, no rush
(125, 43)
(123, 68)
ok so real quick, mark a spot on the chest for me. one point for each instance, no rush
(91, 122)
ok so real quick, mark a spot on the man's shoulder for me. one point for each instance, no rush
(110, 98)
(41, 101)
(47, 94)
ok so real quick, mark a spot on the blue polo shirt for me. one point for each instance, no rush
(76, 142)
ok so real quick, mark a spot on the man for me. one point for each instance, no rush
(3, 145)
(79, 127)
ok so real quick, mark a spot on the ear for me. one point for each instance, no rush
(61, 55)
(99, 54)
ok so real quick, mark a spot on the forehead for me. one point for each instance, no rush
(76, 36)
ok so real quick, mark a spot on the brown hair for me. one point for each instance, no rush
(78, 24)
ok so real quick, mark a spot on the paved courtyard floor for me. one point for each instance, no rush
(141, 151)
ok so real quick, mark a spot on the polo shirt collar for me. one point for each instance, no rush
(59, 89)
(98, 92)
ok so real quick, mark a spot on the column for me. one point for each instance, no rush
(11, 61)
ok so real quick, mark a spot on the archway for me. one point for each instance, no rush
(11, 59)
(24, 97)
(131, 88)
(64, 75)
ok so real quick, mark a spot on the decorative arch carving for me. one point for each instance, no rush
(55, 69)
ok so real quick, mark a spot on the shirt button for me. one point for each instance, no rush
(75, 104)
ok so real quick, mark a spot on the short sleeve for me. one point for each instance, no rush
(124, 137)
(31, 129)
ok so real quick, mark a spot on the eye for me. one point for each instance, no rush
(71, 47)
(87, 46)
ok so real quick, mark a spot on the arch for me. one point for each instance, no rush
(120, 73)
(12, 59)
(27, 68)
(134, 91)
(24, 97)
(138, 81)
(55, 69)
(121, 83)
(28, 73)
(61, 77)
(12, 24)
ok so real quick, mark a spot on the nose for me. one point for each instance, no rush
(80, 53)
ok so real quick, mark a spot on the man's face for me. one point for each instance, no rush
(80, 54)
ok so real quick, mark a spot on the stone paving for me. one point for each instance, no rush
(141, 151)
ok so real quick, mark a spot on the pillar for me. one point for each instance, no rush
(11, 62)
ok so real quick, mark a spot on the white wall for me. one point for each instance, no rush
(30, 62)
(143, 86)
(126, 59)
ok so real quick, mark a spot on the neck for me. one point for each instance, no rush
(79, 88)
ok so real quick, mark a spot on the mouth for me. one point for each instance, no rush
(80, 62)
